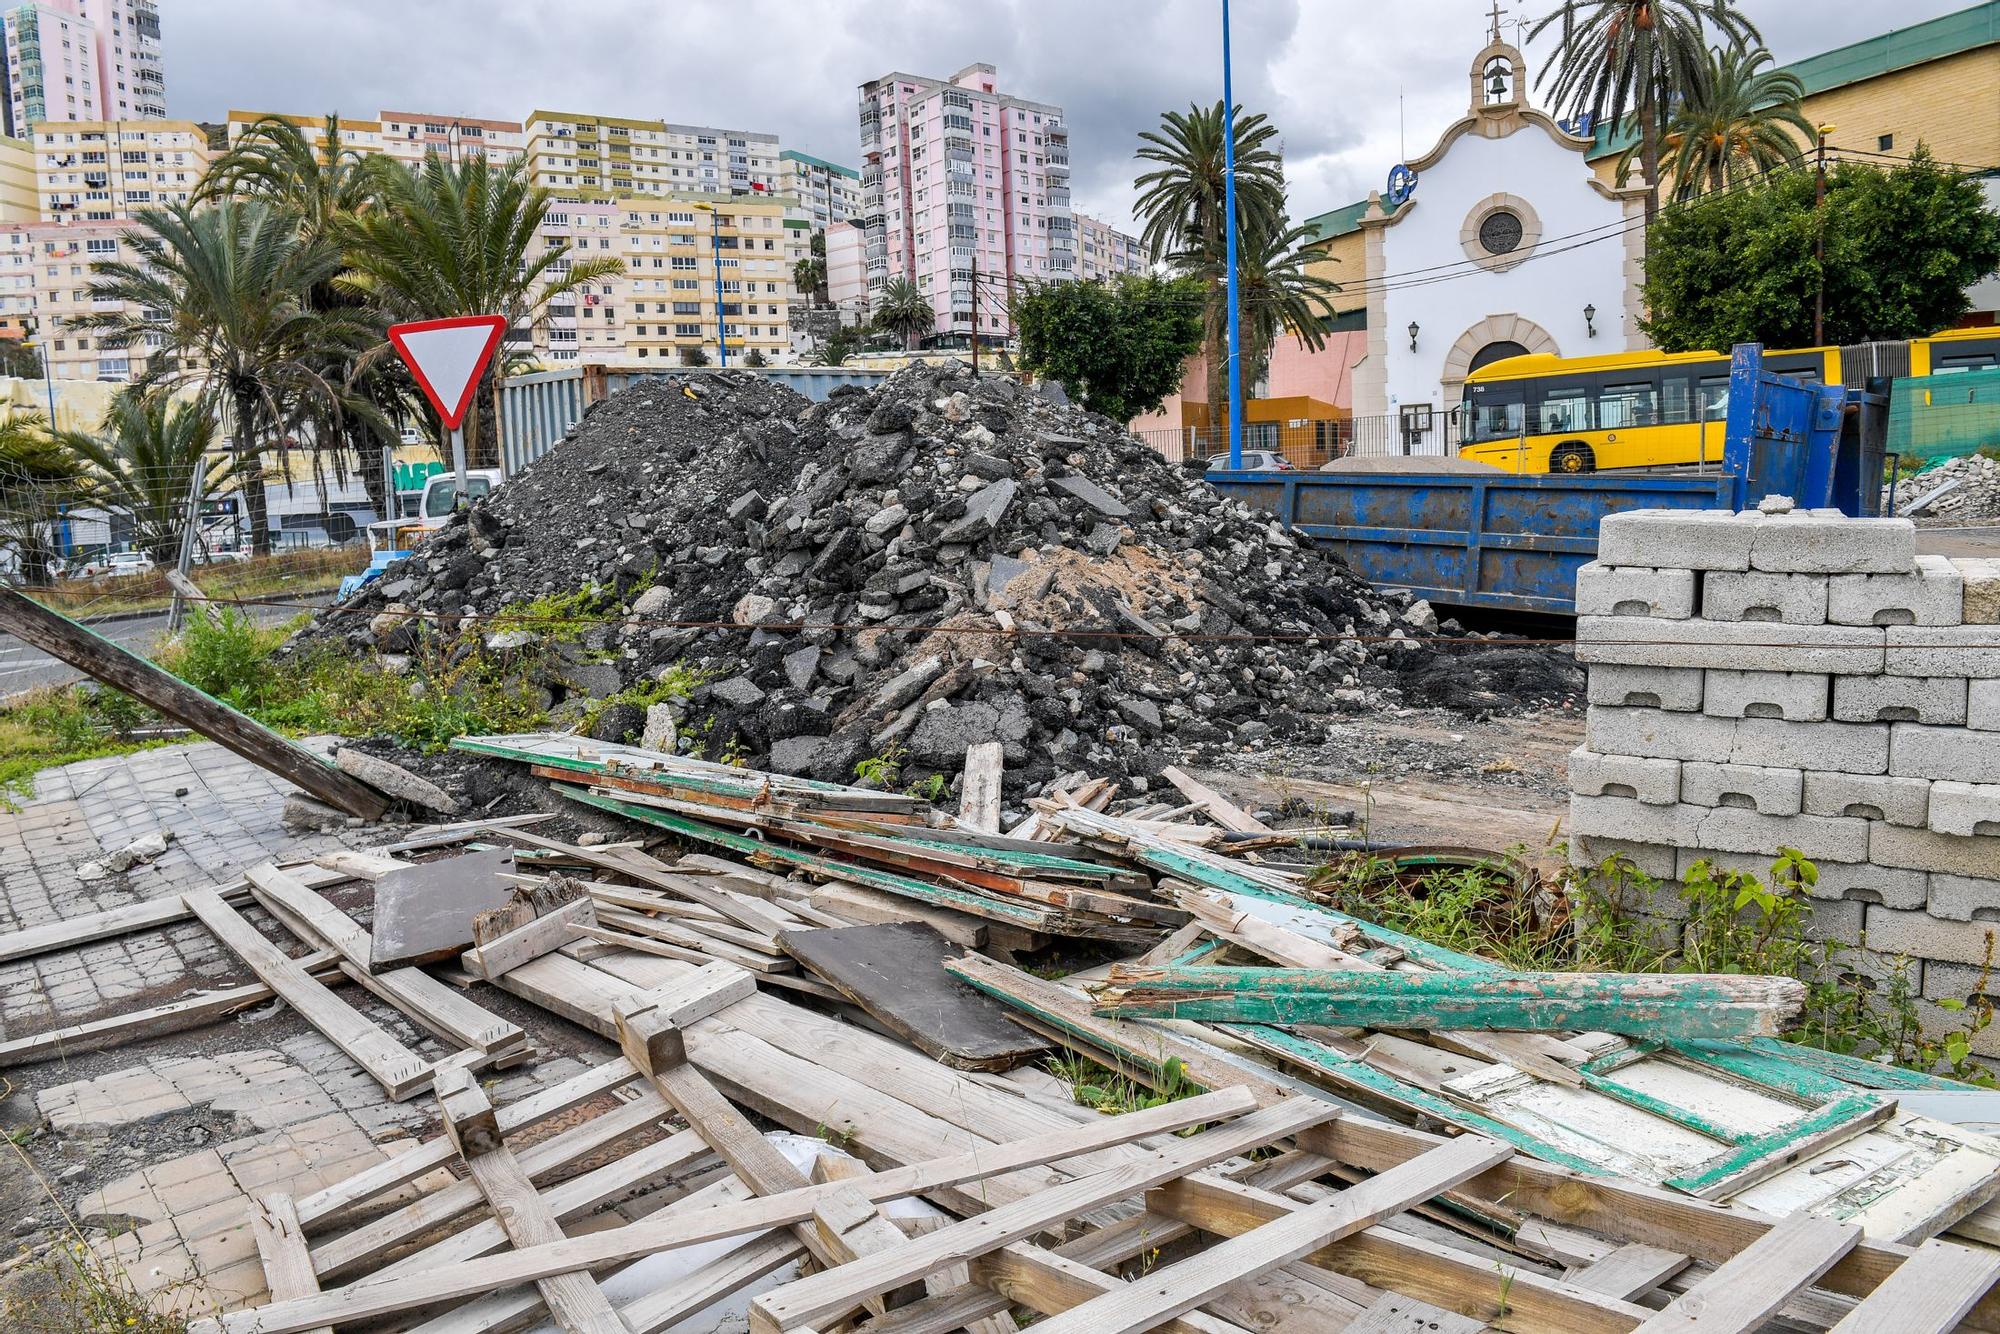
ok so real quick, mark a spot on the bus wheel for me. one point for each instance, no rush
(1573, 457)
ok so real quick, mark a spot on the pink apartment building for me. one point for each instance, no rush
(959, 178)
(82, 60)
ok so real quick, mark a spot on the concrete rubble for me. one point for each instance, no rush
(1974, 490)
(912, 570)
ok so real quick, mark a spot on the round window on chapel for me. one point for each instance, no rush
(1500, 232)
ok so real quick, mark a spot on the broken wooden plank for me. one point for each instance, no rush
(895, 971)
(361, 865)
(1748, 1290)
(574, 1299)
(1930, 1294)
(1187, 1284)
(1630, 1271)
(118, 667)
(1641, 1004)
(281, 1249)
(979, 795)
(835, 1292)
(1219, 808)
(550, 931)
(400, 1072)
(860, 905)
(1393, 1313)
(1744, 1165)
(1051, 1284)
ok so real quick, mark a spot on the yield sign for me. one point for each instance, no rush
(447, 356)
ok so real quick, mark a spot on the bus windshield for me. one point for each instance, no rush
(1493, 411)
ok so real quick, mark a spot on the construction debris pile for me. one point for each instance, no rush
(1546, 1150)
(908, 571)
(1959, 489)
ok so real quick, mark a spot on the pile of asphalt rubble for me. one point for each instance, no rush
(907, 571)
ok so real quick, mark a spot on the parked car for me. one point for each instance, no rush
(224, 556)
(115, 563)
(1254, 460)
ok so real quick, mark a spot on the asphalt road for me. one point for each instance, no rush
(23, 667)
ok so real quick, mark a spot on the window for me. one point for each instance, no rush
(1885, 142)
(1497, 411)
(1622, 404)
(1500, 232)
(687, 331)
(1563, 407)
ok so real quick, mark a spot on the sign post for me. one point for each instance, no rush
(447, 357)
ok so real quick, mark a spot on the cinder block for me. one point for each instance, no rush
(1940, 854)
(1956, 754)
(1981, 605)
(1812, 544)
(1720, 829)
(1982, 706)
(1935, 1021)
(1631, 590)
(1971, 810)
(1645, 896)
(1964, 898)
(1799, 696)
(1939, 700)
(1873, 973)
(1849, 748)
(1651, 859)
(1865, 882)
(1934, 595)
(1966, 982)
(1943, 650)
(1753, 595)
(1678, 539)
(1654, 782)
(1741, 786)
(1623, 818)
(1922, 936)
(1900, 801)
(1645, 641)
(1657, 733)
(1674, 688)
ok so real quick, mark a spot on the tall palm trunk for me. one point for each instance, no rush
(250, 453)
(1215, 347)
(1649, 155)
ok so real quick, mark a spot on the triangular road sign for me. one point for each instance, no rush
(447, 357)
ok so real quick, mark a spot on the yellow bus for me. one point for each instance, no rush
(1955, 350)
(1542, 413)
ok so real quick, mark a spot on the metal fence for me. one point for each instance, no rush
(1313, 444)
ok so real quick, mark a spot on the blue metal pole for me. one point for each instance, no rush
(1229, 210)
(715, 253)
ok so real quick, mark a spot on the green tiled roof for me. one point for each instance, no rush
(812, 161)
(1899, 48)
(1341, 221)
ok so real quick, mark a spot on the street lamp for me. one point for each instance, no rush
(1819, 231)
(715, 257)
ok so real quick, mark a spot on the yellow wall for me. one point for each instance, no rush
(1346, 263)
(19, 198)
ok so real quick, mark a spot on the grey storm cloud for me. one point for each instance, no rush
(1352, 84)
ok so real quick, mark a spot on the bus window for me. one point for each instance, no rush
(1714, 397)
(1804, 365)
(1676, 398)
(1495, 412)
(1563, 407)
(1624, 405)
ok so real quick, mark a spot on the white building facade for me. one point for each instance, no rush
(1507, 244)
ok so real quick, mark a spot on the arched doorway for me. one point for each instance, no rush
(1498, 350)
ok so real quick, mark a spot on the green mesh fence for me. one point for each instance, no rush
(1943, 416)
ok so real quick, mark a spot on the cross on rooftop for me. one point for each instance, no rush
(1493, 33)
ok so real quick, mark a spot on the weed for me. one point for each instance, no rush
(61, 725)
(559, 618)
(882, 771)
(675, 685)
(931, 789)
(1106, 1090)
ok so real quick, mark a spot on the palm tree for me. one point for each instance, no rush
(323, 183)
(450, 239)
(1627, 63)
(1736, 126)
(1280, 294)
(223, 295)
(1182, 204)
(141, 461)
(809, 274)
(905, 312)
(36, 477)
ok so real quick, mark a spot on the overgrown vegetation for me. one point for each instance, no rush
(287, 574)
(1594, 920)
(1113, 1091)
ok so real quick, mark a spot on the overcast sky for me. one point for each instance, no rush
(1331, 73)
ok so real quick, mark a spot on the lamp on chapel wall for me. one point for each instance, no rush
(1590, 319)
(1413, 335)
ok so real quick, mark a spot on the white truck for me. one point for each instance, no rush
(434, 507)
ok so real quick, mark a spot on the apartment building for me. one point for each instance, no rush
(20, 198)
(847, 270)
(82, 60)
(696, 267)
(45, 275)
(411, 136)
(958, 178)
(830, 193)
(363, 136)
(581, 156)
(95, 171)
(1102, 251)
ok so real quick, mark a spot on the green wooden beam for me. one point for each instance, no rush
(1767, 1155)
(1640, 1004)
(1853, 1069)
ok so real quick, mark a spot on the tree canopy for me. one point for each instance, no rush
(1902, 245)
(1117, 348)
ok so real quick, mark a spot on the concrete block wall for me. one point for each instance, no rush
(1800, 679)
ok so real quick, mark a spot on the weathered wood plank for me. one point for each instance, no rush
(1748, 1290)
(1183, 1286)
(979, 796)
(835, 1292)
(1393, 1313)
(1052, 1284)
(550, 931)
(1220, 809)
(1930, 1294)
(1744, 1165)
(281, 1248)
(1630, 1271)
(118, 667)
(1643, 1004)
(400, 1072)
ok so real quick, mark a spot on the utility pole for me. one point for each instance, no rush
(975, 313)
(1819, 235)
(1229, 222)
